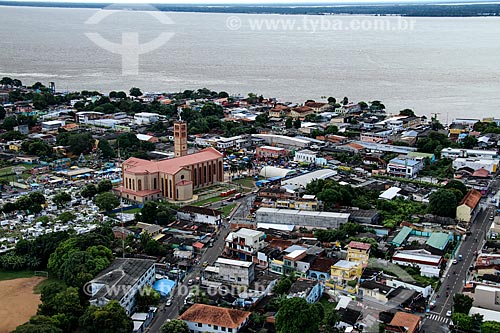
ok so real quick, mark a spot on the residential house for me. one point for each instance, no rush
(146, 118)
(358, 252)
(310, 290)
(404, 323)
(487, 297)
(244, 244)
(301, 112)
(278, 111)
(344, 271)
(430, 265)
(202, 318)
(404, 167)
(467, 208)
(309, 157)
(200, 215)
(454, 153)
(491, 165)
(318, 107)
(270, 152)
(320, 268)
(235, 271)
(121, 282)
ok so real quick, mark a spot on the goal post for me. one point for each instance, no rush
(41, 273)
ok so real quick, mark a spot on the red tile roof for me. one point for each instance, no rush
(481, 173)
(170, 166)
(408, 320)
(359, 245)
(214, 315)
(471, 199)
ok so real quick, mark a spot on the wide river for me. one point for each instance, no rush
(449, 66)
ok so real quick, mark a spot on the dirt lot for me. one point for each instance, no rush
(17, 302)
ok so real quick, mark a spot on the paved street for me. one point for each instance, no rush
(210, 255)
(456, 274)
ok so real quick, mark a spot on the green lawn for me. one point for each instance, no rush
(47, 282)
(132, 211)
(226, 210)
(8, 275)
(329, 306)
(208, 201)
(245, 182)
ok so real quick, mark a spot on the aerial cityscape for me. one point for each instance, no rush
(151, 187)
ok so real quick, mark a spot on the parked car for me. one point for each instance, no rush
(169, 302)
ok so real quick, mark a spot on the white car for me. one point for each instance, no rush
(454, 261)
(448, 313)
(169, 302)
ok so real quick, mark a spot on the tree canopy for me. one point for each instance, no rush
(295, 315)
(175, 326)
(110, 318)
(443, 202)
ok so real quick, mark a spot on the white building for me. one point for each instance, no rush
(202, 318)
(52, 125)
(302, 180)
(491, 165)
(456, 153)
(235, 271)
(244, 243)
(407, 168)
(430, 265)
(487, 297)
(200, 215)
(121, 282)
(146, 118)
(307, 156)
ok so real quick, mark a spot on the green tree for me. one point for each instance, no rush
(469, 142)
(458, 185)
(175, 326)
(462, 321)
(212, 109)
(283, 286)
(295, 315)
(297, 123)
(147, 297)
(39, 324)
(110, 318)
(462, 303)
(289, 122)
(65, 307)
(331, 320)
(105, 148)
(149, 212)
(135, 92)
(443, 202)
(106, 201)
(9, 123)
(37, 197)
(2, 113)
(490, 327)
(104, 185)
(61, 198)
(407, 113)
(332, 100)
(89, 191)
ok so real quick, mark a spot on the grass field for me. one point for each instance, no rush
(245, 182)
(329, 306)
(15, 275)
(208, 201)
(226, 210)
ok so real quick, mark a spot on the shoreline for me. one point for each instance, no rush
(438, 10)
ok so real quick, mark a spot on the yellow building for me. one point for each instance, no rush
(344, 271)
(358, 252)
